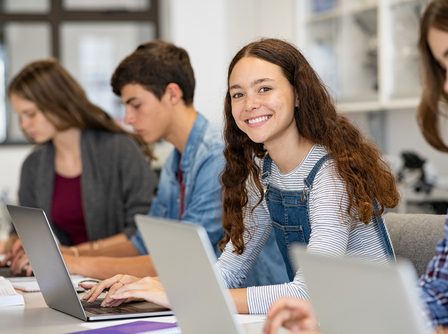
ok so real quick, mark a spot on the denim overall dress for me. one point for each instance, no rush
(290, 217)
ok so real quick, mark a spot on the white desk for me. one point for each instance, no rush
(37, 318)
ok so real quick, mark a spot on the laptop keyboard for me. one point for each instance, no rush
(96, 308)
(4, 271)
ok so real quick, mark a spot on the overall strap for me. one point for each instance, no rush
(310, 178)
(384, 233)
(267, 162)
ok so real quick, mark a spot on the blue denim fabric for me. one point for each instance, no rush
(434, 283)
(202, 163)
(290, 217)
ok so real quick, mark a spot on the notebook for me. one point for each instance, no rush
(52, 275)
(353, 296)
(185, 262)
(141, 326)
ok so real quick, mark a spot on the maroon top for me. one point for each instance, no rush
(66, 209)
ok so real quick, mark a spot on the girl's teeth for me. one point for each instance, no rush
(258, 119)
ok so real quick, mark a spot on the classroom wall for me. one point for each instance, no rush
(212, 32)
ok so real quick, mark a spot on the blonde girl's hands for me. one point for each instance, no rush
(12, 247)
(294, 314)
(18, 260)
(148, 288)
(20, 265)
(112, 284)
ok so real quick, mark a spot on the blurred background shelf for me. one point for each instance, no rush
(364, 51)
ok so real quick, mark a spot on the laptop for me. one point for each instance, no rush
(5, 272)
(185, 262)
(353, 296)
(53, 278)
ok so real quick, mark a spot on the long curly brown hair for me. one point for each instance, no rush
(434, 16)
(370, 184)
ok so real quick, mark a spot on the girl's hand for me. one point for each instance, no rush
(294, 314)
(148, 288)
(112, 284)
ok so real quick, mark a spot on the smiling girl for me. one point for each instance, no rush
(295, 166)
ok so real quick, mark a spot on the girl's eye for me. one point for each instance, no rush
(264, 89)
(237, 95)
(30, 114)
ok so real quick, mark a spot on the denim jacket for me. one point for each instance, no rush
(201, 163)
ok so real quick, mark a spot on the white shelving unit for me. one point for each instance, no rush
(366, 53)
(364, 50)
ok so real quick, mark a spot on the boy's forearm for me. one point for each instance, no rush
(117, 246)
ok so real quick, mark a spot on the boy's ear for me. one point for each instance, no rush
(173, 93)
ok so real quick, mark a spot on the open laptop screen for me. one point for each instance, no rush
(52, 275)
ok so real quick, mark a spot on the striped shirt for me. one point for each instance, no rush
(332, 231)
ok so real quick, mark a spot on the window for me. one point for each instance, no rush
(88, 37)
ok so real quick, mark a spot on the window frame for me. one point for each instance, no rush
(55, 17)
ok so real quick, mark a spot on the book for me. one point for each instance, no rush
(142, 326)
(9, 296)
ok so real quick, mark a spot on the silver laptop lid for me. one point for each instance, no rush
(185, 262)
(41, 246)
(353, 296)
(54, 280)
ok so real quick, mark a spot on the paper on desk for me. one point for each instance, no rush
(29, 284)
(250, 318)
(26, 284)
(8, 296)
